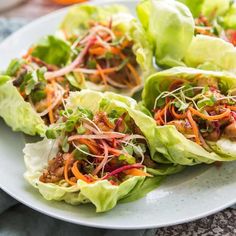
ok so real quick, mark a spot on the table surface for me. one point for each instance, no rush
(31, 9)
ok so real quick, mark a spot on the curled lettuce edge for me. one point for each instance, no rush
(17, 113)
(207, 8)
(211, 53)
(173, 145)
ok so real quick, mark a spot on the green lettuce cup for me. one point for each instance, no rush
(132, 62)
(98, 152)
(195, 114)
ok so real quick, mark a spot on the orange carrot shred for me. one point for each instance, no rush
(194, 127)
(136, 172)
(176, 115)
(66, 169)
(77, 173)
(206, 117)
(102, 74)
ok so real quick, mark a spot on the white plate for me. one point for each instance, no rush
(192, 194)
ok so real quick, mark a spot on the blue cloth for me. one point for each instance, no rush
(17, 219)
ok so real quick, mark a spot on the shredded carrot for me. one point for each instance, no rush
(158, 118)
(118, 33)
(23, 94)
(114, 151)
(29, 52)
(102, 74)
(175, 84)
(66, 169)
(91, 146)
(132, 69)
(164, 110)
(194, 127)
(98, 51)
(136, 172)
(210, 118)
(108, 70)
(107, 38)
(232, 108)
(77, 173)
(125, 44)
(176, 115)
(115, 50)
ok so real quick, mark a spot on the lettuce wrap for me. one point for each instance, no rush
(127, 47)
(101, 50)
(28, 101)
(211, 53)
(195, 114)
(201, 40)
(212, 48)
(68, 166)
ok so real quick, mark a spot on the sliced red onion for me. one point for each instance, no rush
(123, 168)
(104, 161)
(95, 136)
(89, 154)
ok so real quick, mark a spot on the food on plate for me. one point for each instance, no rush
(100, 146)
(214, 18)
(95, 50)
(178, 36)
(215, 35)
(32, 100)
(101, 39)
(195, 114)
(98, 153)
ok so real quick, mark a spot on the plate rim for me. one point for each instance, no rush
(122, 227)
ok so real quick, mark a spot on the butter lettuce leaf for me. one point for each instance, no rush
(17, 113)
(215, 8)
(52, 50)
(195, 6)
(212, 51)
(4, 79)
(208, 8)
(228, 20)
(79, 17)
(172, 144)
(142, 48)
(170, 28)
